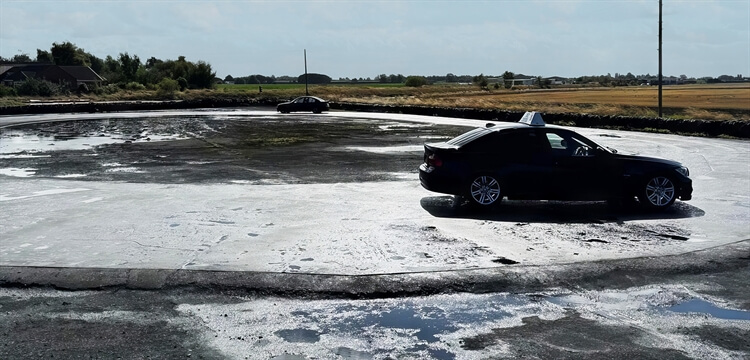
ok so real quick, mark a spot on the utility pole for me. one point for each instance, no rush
(660, 75)
(308, 94)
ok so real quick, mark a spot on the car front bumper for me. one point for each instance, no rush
(685, 189)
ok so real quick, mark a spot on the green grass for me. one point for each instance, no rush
(254, 87)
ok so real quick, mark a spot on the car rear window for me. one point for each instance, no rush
(468, 137)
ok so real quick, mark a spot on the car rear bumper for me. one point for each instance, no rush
(431, 179)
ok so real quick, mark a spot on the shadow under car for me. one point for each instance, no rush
(541, 211)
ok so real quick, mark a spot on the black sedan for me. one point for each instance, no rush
(304, 103)
(530, 160)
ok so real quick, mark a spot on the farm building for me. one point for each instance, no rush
(73, 77)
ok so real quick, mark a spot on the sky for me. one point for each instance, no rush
(354, 39)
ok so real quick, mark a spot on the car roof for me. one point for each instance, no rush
(313, 97)
(519, 125)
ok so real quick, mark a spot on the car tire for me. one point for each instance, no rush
(317, 111)
(658, 192)
(484, 191)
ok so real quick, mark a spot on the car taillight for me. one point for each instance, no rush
(434, 160)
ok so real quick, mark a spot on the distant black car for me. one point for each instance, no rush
(304, 103)
(534, 161)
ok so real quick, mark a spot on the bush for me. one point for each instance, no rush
(183, 83)
(106, 89)
(134, 86)
(36, 87)
(167, 88)
(7, 91)
(415, 81)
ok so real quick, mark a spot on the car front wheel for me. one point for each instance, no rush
(658, 193)
(485, 191)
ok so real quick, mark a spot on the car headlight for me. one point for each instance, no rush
(683, 170)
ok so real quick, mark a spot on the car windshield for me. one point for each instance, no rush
(598, 146)
(468, 137)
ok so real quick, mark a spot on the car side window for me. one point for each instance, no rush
(520, 141)
(505, 143)
(556, 142)
(562, 144)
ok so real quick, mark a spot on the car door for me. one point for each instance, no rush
(577, 171)
(515, 157)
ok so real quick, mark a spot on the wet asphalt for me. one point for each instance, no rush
(199, 314)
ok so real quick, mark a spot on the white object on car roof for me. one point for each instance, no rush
(532, 118)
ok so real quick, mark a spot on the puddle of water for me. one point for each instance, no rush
(410, 319)
(704, 307)
(299, 335)
(387, 149)
(347, 353)
(28, 143)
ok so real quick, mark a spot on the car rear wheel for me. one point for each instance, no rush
(658, 193)
(484, 191)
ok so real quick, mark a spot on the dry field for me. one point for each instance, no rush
(704, 102)
(707, 102)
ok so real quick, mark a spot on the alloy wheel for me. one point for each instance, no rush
(485, 190)
(660, 191)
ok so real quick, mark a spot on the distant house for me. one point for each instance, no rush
(556, 80)
(520, 81)
(73, 77)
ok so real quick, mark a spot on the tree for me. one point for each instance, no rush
(396, 79)
(451, 78)
(228, 78)
(200, 75)
(129, 66)
(112, 70)
(480, 80)
(68, 54)
(507, 78)
(383, 78)
(97, 64)
(153, 62)
(43, 56)
(313, 78)
(415, 81)
(21, 58)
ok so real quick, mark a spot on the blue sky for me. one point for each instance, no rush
(366, 38)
